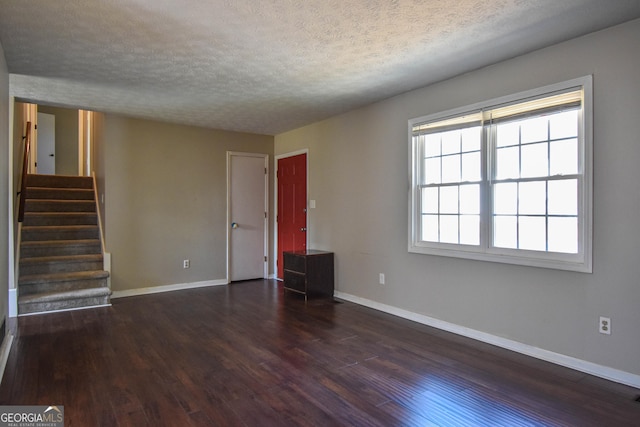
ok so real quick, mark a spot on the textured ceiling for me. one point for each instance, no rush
(267, 66)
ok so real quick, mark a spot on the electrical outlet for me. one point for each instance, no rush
(382, 278)
(604, 325)
(186, 263)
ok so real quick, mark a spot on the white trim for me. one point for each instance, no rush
(265, 272)
(81, 135)
(167, 288)
(275, 203)
(4, 353)
(13, 218)
(591, 368)
(13, 302)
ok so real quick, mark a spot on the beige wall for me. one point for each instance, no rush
(66, 138)
(4, 186)
(165, 199)
(358, 167)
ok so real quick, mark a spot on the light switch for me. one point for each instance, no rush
(312, 204)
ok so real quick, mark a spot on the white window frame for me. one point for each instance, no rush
(582, 260)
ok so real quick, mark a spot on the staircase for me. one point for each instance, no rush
(61, 259)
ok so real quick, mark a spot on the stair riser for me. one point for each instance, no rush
(36, 205)
(59, 194)
(70, 285)
(35, 219)
(59, 267)
(54, 250)
(53, 181)
(62, 305)
(39, 235)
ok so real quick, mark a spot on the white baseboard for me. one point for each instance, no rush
(4, 353)
(13, 302)
(166, 288)
(605, 372)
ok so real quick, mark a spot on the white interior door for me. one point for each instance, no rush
(247, 181)
(46, 144)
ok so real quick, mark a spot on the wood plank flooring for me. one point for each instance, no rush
(249, 355)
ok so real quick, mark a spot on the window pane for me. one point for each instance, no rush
(449, 228)
(508, 134)
(534, 130)
(470, 229)
(564, 157)
(563, 235)
(471, 170)
(430, 200)
(451, 168)
(449, 200)
(432, 171)
(532, 198)
(471, 139)
(564, 125)
(505, 198)
(470, 199)
(532, 233)
(432, 145)
(451, 142)
(430, 228)
(508, 163)
(563, 197)
(505, 232)
(535, 160)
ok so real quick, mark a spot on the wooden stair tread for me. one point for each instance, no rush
(59, 181)
(60, 201)
(56, 213)
(60, 188)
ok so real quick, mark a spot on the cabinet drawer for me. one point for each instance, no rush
(294, 262)
(295, 281)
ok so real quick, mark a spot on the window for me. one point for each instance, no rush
(508, 180)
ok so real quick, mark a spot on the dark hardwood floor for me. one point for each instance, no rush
(249, 355)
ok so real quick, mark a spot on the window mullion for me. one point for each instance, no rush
(486, 207)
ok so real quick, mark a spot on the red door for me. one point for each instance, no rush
(292, 206)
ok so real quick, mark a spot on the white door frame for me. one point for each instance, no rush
(275, 204)
(230, 154)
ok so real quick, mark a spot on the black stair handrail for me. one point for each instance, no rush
(25, 168)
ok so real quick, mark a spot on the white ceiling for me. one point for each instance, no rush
(268, 66)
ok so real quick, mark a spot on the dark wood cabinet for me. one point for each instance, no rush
(309, 273)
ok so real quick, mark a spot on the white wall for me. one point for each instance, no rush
(358, 176)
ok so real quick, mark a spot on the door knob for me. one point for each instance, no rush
(234, 225)
(303, 229)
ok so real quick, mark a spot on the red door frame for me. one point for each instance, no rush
(294, 238)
